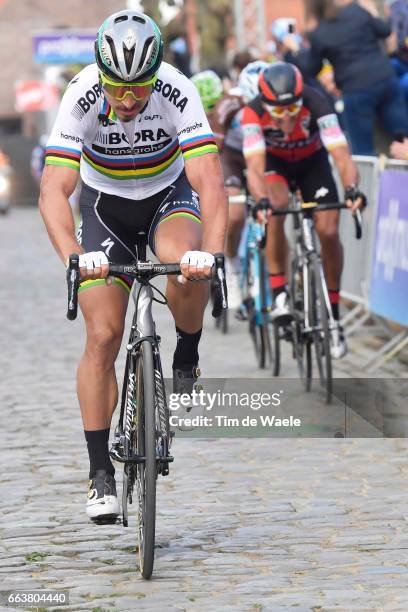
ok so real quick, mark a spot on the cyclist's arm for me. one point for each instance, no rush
(308, 60)
(202, 165)
(335, 142)
(57, 185)
(254, 150)
(62, 164)
(205, 176)
(256, 175)
(345, 165)
(381, 27)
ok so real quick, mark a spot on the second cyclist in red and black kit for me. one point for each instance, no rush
(289, 131)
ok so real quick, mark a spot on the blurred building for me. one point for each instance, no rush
(19, 20)
(27, 81)
(253, 19)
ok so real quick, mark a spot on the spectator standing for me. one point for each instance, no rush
(397, 10)
(349, 37)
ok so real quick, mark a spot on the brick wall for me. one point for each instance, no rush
(288, 8)
(19, 18)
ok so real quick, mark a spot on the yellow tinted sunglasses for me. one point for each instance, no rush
(138, 91)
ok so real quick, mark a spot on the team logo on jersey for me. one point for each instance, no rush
(85, 102)
(305, 123)
(172, 93)
(190, 128)
(145, 141)
(117, 138)
(76, 139)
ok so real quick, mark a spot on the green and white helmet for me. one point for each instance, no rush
(209, 87)
(129, 47)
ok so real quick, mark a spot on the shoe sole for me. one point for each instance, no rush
(108, 519)
(283, 319)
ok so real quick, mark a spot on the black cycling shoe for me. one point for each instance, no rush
(102, 504)
(184, 383)
(185, 380)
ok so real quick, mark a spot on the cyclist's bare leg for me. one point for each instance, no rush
(236, 222)
(327, 227)
(277, 245)
(104, 311)
(187, 302)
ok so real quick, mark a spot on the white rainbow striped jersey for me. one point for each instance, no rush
(88, 136)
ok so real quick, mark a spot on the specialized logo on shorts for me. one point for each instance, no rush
(108, 244)
(321, 192)
(79, 231)
(195, 200)
(172, 93)
(84, 104)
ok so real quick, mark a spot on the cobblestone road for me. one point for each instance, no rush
(244, 524)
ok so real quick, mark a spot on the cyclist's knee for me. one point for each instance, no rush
(103, 339)
(329, 236)
(278, 194)
(236, 219)
(190, 289)
(176, 237)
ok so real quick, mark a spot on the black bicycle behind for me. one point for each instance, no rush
(312, 317)
(142, 438)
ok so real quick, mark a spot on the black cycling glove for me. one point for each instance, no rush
(352, 193)
(262, 205)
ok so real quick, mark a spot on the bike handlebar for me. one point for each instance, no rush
(358, 222)
(73, 285)
(143, 270)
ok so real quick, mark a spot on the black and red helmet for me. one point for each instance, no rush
(280, 84)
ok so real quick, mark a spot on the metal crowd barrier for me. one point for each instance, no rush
(358, 253)
(358, 259)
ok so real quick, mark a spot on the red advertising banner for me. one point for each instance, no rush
(35, 96)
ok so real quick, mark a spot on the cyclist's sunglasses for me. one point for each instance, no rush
(119, 91)
(277, 112)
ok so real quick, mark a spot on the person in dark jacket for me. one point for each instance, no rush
(349, 37)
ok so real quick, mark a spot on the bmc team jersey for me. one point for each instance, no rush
(316, 125)
(134, 159)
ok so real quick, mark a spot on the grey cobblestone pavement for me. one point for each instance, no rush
(243, 524)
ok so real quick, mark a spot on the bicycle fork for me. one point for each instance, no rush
(309, 244)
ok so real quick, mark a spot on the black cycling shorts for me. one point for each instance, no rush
(313, 176)
(111, 224)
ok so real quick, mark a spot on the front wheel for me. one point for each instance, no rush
(302, 350)
(321, 337)
(145, 446)
(276, 353)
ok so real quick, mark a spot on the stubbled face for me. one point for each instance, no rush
(286, 123)
(128, 108)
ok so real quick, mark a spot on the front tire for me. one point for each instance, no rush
(145, 440)
(321, 339)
